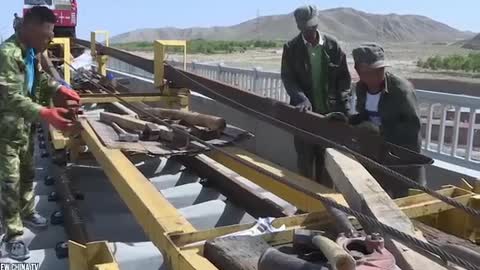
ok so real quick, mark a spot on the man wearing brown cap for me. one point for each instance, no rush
(387, 104)
(316, 77)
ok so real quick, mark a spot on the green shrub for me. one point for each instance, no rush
(206, 46)
(468, 63)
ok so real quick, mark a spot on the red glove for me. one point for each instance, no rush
(69, 94)
(53, 117)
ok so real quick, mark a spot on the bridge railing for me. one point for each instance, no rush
(450, 127)
(449, 122)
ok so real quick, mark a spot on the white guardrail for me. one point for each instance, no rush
(449, 121)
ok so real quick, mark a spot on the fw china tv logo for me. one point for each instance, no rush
(19, 266)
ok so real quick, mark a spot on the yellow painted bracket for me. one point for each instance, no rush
(92, 256)
(183, 245)
(101, 59)
(59, 140)
(65, 43)
(159, 57)
(152, 211)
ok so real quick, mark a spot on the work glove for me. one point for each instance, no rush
(305, 104)
(68, 94)
(54, 117)
(337, 117)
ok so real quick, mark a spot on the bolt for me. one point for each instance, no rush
(79, 196)
(56, 218)
(61, 250)
(49, 180)
(376, 236)
(44, 154)
(53, 197)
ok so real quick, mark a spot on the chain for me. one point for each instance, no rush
(408, 240)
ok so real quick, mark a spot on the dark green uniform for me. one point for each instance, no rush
(17, 111)
(400, 122)
(321, 75)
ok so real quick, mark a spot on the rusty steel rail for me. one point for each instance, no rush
(73, 222)
(372, 146)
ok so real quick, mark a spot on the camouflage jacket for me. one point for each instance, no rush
(17, 107)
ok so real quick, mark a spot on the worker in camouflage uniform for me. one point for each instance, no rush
(387, 105)
(20, 82)
(316, 77)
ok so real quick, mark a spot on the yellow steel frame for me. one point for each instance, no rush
(159, 56)
(297, 198)
(422, 206)
(65, 43)
(153, 212)
(59, 141)
(101, 59)
(93, 40)
(92, 256)
(182, 244)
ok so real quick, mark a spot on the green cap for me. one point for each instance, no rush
(306, 17)
(371, 54)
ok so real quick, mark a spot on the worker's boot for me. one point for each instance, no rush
(35, 220)
(16, 248)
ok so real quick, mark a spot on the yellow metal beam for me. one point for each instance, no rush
(59, 140)
(101, 59)
(421, 206)
(95, 256)
(65, 43)
(93, 41)
(152, 211)
(159, 56)
(297, 198)
(305, 220)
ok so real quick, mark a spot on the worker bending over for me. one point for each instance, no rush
(387, 104)
(316, 77)
(19, 80)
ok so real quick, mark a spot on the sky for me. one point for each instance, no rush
(118, 16)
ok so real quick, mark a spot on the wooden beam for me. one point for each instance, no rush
(364, 194)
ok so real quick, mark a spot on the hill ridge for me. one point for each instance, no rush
(347, 24)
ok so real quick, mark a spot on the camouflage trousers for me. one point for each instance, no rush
(16, 183)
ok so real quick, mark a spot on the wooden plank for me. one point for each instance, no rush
(364, 194)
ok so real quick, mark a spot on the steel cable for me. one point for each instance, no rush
(406, 239)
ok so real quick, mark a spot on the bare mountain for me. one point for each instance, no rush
(473, 44)
(344, 23)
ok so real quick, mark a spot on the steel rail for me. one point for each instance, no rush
(408, 240)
